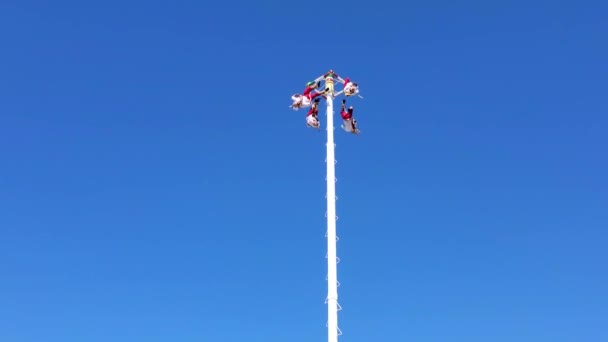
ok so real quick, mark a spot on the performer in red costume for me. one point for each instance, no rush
(312, 118)
(305, 99)
(350, 88)
(350, 124)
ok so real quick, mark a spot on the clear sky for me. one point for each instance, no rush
(155, 185)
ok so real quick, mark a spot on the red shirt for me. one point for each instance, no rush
(346, 115)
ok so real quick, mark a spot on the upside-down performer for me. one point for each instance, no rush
(305, 99)
(312, 118)
(350, 88)
(350, 124)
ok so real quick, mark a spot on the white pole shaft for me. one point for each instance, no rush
(332, 277)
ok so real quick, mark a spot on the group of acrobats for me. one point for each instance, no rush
(309, 98)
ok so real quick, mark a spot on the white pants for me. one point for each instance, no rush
(350, 89)
(312, 121)
(348, 124)
(301, 101)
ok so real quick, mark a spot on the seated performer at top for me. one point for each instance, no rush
(330, 77)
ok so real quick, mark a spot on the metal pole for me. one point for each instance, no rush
(332, 277)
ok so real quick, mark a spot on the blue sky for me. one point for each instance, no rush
(155, 186)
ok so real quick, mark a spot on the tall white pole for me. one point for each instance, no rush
(332, 276)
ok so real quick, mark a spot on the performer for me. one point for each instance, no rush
(350, 88)
(330, 77)
(304, 100)
(312, 118)
(350, 124)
